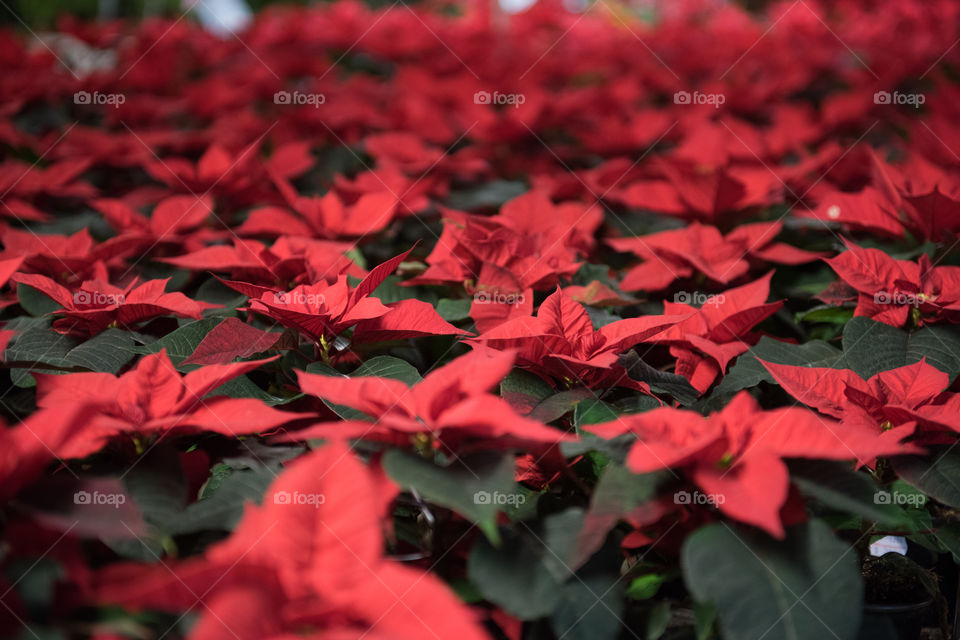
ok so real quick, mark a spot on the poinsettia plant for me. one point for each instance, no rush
(469, 321)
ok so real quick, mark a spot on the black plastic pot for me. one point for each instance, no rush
(904, 621)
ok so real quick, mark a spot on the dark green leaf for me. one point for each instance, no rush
(181, 344)
(389, 367)
(805, 587)
(476, 487)
(870, 347)
(589, 608)
(35, 302)
(454, 310)
(526, 574)
(936, 474)
(659, 381)
(837, 486)
(747, 372)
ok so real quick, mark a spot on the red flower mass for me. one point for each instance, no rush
(463, 321)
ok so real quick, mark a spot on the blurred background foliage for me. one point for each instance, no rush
(42, 14)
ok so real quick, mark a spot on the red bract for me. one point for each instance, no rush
(175, 221)
(21, 184)
(717, 332)
(529, 245)
(286, 261)
(706, 195)
(217, 170)
(897, 291)
(97, 305)
(152, 399)
(451, 408)
(736, 455)
(916, 197)
(323, 311)
(325, 217)
(682, 253)
(26, 449)
(308, 561)
(560, 342)
(892, 402)
(412, 192)
(65, 258)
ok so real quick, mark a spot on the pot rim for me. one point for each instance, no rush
(907, 607)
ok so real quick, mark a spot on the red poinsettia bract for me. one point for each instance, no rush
(895, 291)
(697, 248)
(323, 311)
(450, 408)
(720, 330)
(97, 305)
(892, 402)
(560, 342)
(308, 563)
(736, 455)
(154, 399)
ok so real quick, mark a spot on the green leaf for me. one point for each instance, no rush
(244, 387)
(837, 486)
(949, 538)
(559, 404)
(940, 345)
(826, 313)
(380, 366)
(454, 310)
(593, 411)
(157, 483)
(476, 487)
(645, 586)
(870, 347)
(619, 491)
(936, 474)
(747, 372)
(704, 615)
(389, 367)
(658, 619)
(35, 579)
(107, 351)
(589, 609)
(40, 345)
(181, 344)
(46, 350)
(222, 508)
(805, 587)
(490, 194)
(35, 302)
(615, 449)
(520, 385)
(659, 381)
(525, 576)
